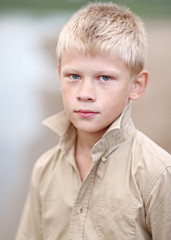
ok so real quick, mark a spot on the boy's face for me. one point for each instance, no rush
(95, 89)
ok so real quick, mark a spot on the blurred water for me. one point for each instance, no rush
(27, 77)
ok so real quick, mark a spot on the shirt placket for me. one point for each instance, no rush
(81, 205)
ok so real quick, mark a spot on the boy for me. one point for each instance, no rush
(105, 179)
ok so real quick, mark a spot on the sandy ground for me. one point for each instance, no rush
(152, 113)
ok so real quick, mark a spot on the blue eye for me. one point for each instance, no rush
(74, 76)
(105, 78)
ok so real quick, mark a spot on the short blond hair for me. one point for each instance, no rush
(106, 27)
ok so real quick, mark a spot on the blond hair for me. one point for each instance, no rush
(106, 27)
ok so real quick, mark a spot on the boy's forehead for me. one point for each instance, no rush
(100, 61)
(73, 53)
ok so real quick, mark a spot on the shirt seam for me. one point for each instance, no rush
(157, 177)
(153, 184)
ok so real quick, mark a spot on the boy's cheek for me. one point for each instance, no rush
(59, 70)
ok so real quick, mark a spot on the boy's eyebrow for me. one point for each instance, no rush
(109, 72)
(67, 69)
(100, 72)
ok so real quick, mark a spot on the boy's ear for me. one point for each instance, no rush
(139, 85)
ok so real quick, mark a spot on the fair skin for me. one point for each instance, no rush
(95, 91)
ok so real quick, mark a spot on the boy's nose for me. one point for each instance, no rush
(86, 91)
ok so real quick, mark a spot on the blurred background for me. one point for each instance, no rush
(29, 88)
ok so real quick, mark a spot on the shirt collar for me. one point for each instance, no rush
(121, 120)
(60, 123)
(118, 131)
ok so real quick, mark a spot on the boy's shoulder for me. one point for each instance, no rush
(151, 163)
(149, 150)
(45, 165)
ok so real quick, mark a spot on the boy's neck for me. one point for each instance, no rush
(83, 147)
(88, 140)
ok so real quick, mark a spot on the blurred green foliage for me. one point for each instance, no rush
(144, 8)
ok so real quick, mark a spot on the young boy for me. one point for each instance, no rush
(105, 179)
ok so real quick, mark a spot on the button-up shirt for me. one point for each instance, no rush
(125, 196)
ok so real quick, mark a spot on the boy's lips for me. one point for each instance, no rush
(86, 113)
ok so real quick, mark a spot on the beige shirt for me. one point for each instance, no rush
(125, 196)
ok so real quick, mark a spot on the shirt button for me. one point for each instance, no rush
(104, 159)
(79, 210)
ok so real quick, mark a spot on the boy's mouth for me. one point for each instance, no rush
(86, 113)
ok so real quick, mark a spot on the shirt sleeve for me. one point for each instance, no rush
(30, 225)
(158, 207)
